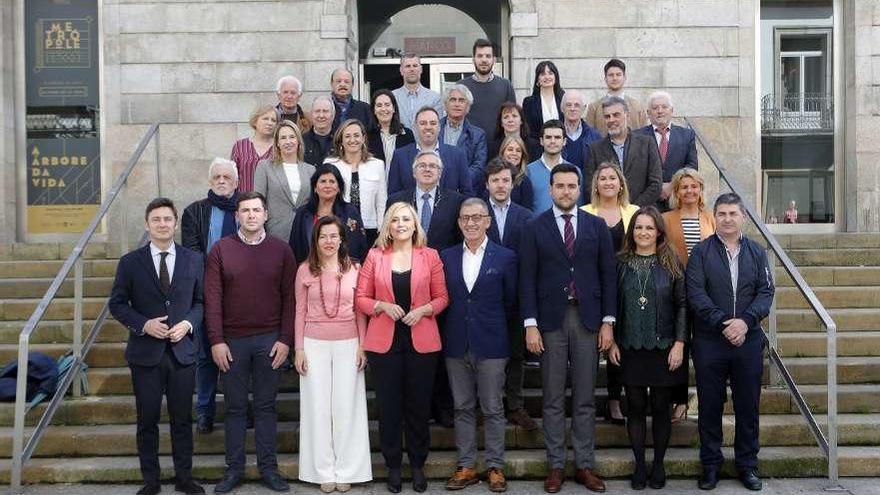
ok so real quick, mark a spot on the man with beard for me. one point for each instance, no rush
(489, 90)
(412, 96)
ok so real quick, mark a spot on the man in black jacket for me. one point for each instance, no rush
(730, 290)
(347, 107)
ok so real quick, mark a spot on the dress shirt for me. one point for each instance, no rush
(156, 254)
(619, 149)
(410, 102)
(451, 133)
(548, 108)
(471, 262)
(249, 243)
(418, 198)
(389, 144)
(488, 78)
(291, 170)
(500, 215)
(659, 136)
(733, 261)
(577, 134)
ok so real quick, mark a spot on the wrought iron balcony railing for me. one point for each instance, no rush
(797, 112)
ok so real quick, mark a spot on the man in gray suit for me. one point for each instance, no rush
(635, 153)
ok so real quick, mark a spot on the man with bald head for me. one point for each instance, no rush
(341, 87)
(289, 90)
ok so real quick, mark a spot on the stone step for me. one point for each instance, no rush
(785, 462)
(60, 331)
(25, 288)
(818, 276)
(835, 257)
(49, 268)
(837, 240)
(59, 309)
(812, 344)
(57, 251)
(847, 297)
(119, 440)
(847, 319)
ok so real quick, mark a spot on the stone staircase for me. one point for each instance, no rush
(93, 438)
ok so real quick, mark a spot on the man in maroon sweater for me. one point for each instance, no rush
(249, 310)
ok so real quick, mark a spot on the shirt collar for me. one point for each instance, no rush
(488, 79)
(432, 192)
(344, 102)
(500, 207)
(558, 212)
(154, 250)
(436, 147)
(417, 92)
(480, 249)
(668, 128)
(244, 240)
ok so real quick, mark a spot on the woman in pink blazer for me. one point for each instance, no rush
(402, 288)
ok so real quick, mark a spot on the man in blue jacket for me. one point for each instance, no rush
(730, 290)
(457, 130)
(481, 279)
(157, 295)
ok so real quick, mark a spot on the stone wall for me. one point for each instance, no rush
(7, 124)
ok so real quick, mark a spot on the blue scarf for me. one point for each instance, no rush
(228, 207)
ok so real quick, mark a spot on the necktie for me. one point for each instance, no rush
(568, 239)
(664, 143)
(164, 278)
(426, 212)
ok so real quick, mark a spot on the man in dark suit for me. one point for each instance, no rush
(635, 153)
(157, 295)
(508, 221)
(677, 145)
(203, 223)
(457, 130)
(568, 300)
(481, 279)
(341, 84)
(455, 169)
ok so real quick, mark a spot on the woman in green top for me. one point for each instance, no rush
(649, 336)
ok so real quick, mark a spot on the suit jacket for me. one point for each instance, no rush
(546, 271)
(641, 166)
(517, 218)
(443, 231)
(357, 110)
(472, 141)
(374, 143)
(476, 321)
(455, 174)
(300, 239)
(682, 150)
(672, 219)
(137, 297)
(195, 225)
(428, 286)
(533, 109)
(271, 181)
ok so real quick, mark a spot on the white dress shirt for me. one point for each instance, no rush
(500, 212)
(471, 263)
(548, 108)
(659, 137)
(156, 254)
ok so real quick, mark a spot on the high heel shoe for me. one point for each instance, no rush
(419, 482)
(620, 421)
(394, 483)
(679, 413)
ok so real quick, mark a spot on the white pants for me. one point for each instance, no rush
(334, 438)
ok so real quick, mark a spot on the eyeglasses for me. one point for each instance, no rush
(466, 219)
(427, 166)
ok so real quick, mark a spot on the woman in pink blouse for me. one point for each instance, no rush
(334, 443)
(247, 152)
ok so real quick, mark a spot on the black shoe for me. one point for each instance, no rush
(750, 479)
(275, 482)
(658, 476)
(394, 482)
(419, 482)
(228, 483)
(150, 489)
(189, 487)
(205, 425)
(709, 479)
(638, 478)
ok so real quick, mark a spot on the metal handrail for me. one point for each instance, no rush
(21, 453)
(828, 443)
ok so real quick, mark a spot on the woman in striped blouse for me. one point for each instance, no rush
(247, 152)
(687, 223)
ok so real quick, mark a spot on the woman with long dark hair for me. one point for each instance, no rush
(649, 336)
(334, 438)
(545, 102)
(388, 133)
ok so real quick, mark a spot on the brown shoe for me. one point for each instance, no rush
(554, 481)
(587, 478)
(521, 418)
(497, 483)
(461, 478)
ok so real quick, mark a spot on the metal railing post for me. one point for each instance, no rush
(831, 358)
(20, 403)
(773, 336)
(123, 192)
(158, 171)
(77, 323)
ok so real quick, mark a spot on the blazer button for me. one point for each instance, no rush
(167, 303)
(571, 269)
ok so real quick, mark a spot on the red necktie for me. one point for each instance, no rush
(664, 143)
(568, 239)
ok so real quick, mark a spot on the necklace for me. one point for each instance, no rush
(641, 266)
(338, 294)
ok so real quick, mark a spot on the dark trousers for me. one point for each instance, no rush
(714, 362)
(404, 382)
(176, 382)
(206, 377)
(513, 383)
(251, 364)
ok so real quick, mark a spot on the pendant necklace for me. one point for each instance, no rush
(646, 266)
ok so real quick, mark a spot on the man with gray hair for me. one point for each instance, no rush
(347, 107)
(456, 130)
(412, 95)
(319, 139)
(635, 153)
(578, 134)
(481, 281)
(289, 90)
(677, 145)
(203, 223)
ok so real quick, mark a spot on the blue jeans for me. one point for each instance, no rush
(206, 377)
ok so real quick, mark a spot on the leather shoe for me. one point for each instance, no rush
(228, 483)
(461, 478)
(274, 482)
(189, 487)
(150, 489)
(589, 479)
(521, 418)
(419, 482)
(497, 482)
(554, 481)
(750, 479)
(394, 482)
(709, 479)
(205, 425)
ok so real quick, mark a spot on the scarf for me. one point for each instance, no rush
(228, 207)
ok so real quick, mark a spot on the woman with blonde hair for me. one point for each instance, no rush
(402, 288)
(513, 151)
(687, 223)
(609, 200)
(284, 179)
(247, 152)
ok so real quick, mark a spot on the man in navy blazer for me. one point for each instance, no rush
(481, 280)
(455, 169)
(568, 294)
(347, 107)
(157, 296)
(676, 145)
(457, 130)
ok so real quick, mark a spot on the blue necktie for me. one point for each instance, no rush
(426, 211)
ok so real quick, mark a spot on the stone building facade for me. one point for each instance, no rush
(199, 67)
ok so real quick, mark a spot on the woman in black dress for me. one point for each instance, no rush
(649, 336)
